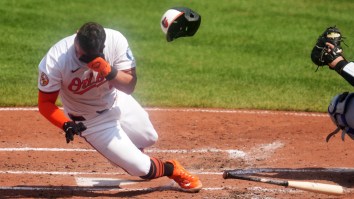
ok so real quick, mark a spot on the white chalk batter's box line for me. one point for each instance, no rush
(112, 189)
(34, 188)
(245, 171)
(256, 112)
(113, 184)
(77, 173)
(209, 150)
(232, 153)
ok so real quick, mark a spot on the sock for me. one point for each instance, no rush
(158, 169)
(168, 169)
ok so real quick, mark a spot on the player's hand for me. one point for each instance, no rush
(101, 66)
(71, 128)
(336, 60)
(327, 47)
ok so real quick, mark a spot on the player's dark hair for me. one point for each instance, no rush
(91, 37)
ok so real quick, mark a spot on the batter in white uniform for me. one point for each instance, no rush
(93, 72)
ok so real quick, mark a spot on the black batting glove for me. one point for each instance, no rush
(71, 128)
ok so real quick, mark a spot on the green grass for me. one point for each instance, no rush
(249, 54)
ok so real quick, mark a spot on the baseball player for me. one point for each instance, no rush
(328, 51)
(93, 72)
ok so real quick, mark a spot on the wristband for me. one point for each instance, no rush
(340, 65)
(111, 75)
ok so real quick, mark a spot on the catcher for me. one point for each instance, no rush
(328, 51)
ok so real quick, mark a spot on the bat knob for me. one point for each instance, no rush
(225, 175)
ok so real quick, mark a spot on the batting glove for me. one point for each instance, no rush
(71, 128)
(101, 66)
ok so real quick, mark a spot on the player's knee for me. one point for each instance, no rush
(152, 137)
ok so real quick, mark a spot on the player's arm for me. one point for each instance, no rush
(328, 51)
(342, 66)
(47, 107)
(124, 80)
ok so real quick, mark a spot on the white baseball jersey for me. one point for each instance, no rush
(82, 91)
(118, 133)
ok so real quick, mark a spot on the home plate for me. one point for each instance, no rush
(102, 182)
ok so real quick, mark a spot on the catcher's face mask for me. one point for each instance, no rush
(180, 22)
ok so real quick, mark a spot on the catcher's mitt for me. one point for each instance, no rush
(322, 54)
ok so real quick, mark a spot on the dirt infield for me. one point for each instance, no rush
(36, 162)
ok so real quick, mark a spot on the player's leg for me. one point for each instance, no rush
(135, 121)
(110, 140)
(116, 146)
(105, 134)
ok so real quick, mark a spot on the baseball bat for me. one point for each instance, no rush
(307, 186)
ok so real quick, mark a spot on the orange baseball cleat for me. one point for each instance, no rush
(187, 181)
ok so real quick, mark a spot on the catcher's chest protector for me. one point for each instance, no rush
(341, 111)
